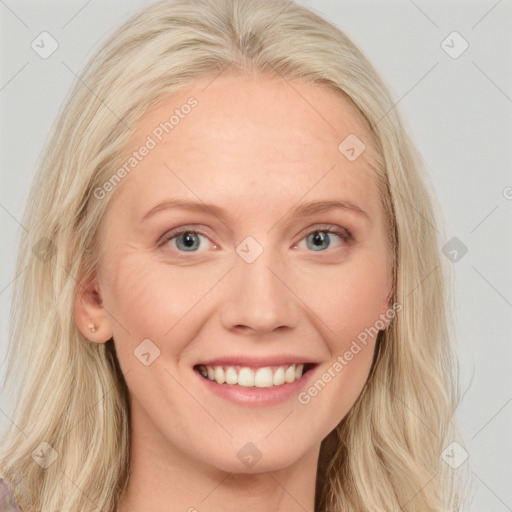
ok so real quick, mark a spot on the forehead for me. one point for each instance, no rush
(242, 137)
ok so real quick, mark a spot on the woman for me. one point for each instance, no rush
(232, 294)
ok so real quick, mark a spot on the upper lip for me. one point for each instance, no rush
(257, 362)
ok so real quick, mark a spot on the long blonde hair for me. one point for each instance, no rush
(385, 455)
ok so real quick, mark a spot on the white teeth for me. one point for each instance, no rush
(246, 378)
(265, 377)
(231, 375)
(220, 378)
(278, 376)
(289, 374)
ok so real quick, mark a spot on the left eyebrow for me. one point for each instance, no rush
(304, 210)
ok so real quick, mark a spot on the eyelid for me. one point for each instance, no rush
(179, 230)
(332, 228)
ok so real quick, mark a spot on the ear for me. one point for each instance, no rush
(91, 318)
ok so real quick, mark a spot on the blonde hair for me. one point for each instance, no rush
(385, 455)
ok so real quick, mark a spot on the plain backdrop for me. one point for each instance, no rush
(457, 105)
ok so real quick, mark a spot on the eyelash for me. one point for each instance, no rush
(343, 233)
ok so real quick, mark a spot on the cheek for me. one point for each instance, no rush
(136, 297)
(153, 300)
(349, 303)
(348, 298)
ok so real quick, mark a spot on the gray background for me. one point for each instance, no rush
(458, 110)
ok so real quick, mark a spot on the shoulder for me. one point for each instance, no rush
(8, 502)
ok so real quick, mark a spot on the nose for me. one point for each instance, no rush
(260, 296)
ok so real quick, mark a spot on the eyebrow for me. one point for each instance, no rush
(302, 210)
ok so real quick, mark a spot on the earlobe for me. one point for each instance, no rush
(90, 316)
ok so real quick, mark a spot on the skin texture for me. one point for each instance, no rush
(256, 147)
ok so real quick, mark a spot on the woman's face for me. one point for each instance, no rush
(256, 282)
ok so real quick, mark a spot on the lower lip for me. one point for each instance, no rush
(257, 396)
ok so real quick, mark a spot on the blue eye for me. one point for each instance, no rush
(186, 240)
(317, 240)
(320, 238)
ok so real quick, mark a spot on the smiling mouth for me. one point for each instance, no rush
(261, 377)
